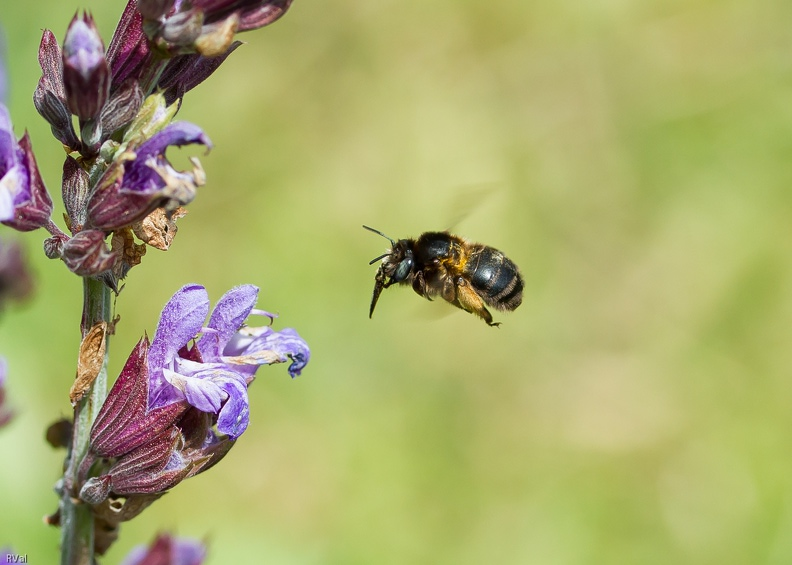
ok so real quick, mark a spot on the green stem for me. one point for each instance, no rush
(77, 536)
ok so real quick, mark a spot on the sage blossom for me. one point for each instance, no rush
(25, 204)
(181, 400)
(5, 413)
(142, 179)
(167, 550)
(212, 375)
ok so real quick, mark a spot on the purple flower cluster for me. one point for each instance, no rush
(117, 173)
(181, 400)
(167, 550)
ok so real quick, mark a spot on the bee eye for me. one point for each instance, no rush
(403, 270)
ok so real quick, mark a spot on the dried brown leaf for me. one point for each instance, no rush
(159, 228)
(92, 350)
(129, 252)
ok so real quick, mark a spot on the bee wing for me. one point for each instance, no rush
(467, 198)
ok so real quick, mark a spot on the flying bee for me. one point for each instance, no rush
(467, 275)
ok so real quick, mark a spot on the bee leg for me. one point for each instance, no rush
(419, 285)
(469, 300)
(379, 285)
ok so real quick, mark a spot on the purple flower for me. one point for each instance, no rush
(167, 550)
(185, 42)
(141, 451)
(5, 413)
(138, 182)
(179, 403)
(25, 204)
(16, 283)
(86, 254)
(213, 374)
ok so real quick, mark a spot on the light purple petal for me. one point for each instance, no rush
(139, 176)
(228, 316)
(200, 392)
(235, 415)
(240, 342)
(6, 204)
(10, 154)
(176, 134)
(287, 344)
(82, 46)
(15, 186)
(3, 371)
(188, 552)
(180, 321)
(5, 121)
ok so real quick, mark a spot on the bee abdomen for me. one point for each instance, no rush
(496, 278)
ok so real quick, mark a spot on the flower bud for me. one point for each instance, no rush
(129, 53)
(53, 246)
(75, 192)
(50, 95)
(51, 61)
(87, 255)
(122, 107)
(95, 489)
(262, 14)
(252, 14)
(185, 72)
(86, 75)
(54, 110)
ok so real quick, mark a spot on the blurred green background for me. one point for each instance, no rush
(632, 157)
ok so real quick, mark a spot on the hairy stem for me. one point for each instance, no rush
(77, 537)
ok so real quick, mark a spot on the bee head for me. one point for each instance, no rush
(397, 264)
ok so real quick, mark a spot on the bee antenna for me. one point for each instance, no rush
(383, 235)
(378, 258)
